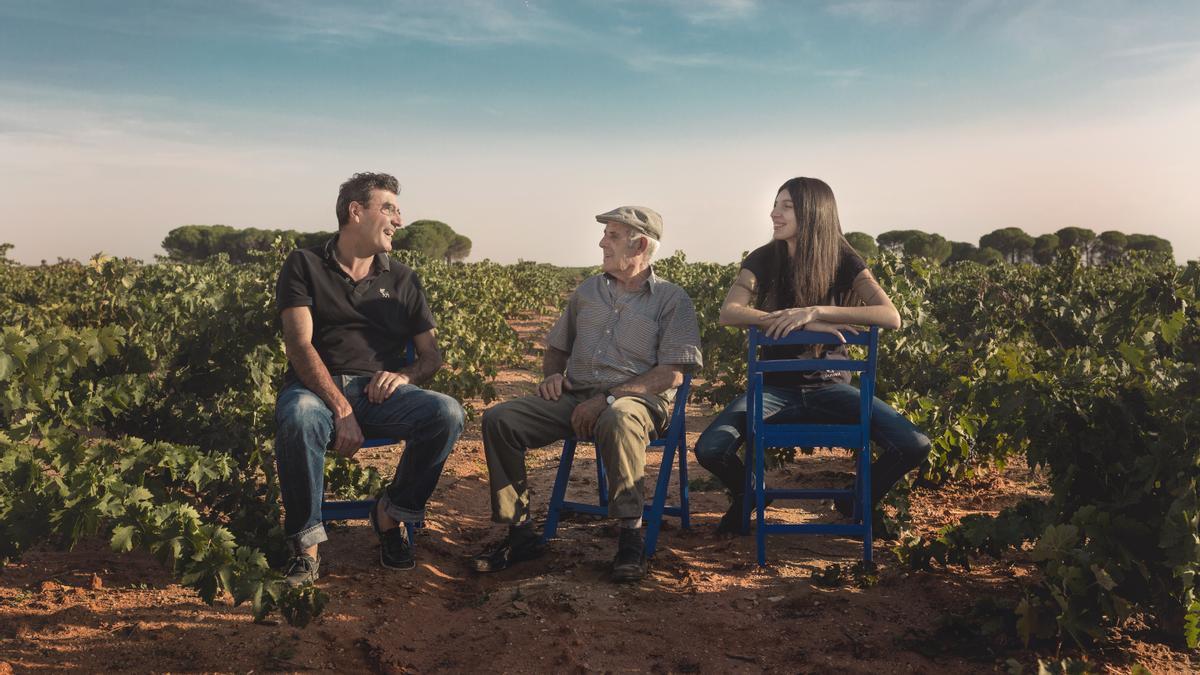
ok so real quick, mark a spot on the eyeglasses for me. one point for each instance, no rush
(388, 209)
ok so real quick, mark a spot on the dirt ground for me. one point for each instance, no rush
(706, 606)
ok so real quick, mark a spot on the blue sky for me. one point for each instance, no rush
(515, 122)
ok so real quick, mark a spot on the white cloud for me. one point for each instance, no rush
(462, 22)
(714, 11)
(879, 11)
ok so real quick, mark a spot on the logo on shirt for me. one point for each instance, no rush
(384, 293)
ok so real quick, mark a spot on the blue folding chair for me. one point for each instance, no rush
(854, 436)
(672, 442)
(360, 509)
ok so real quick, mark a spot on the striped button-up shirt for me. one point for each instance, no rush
(614, 335)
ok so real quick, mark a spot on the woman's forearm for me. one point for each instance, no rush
(884, 316)
(740, 316)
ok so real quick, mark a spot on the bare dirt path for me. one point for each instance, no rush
(705, 606)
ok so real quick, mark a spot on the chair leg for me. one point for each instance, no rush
(559, 493)
(760, 497)
(748, 487)
(685, 519)
(864, 499)
(659, 501)
(601, 480)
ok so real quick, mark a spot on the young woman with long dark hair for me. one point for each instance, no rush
(808, 277)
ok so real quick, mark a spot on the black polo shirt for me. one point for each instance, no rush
(358, 328)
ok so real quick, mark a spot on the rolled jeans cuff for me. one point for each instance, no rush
(306, 538)
(399, 513)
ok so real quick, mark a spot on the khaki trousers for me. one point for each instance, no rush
(621, 435)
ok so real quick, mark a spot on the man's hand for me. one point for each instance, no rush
(833, 328)
(347, 436)
(781, 322)
(383, 384)
(553, 386)
(583, 418)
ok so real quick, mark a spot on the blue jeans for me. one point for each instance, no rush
(902, 446)
(427, 421)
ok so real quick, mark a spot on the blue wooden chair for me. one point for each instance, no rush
(857, 437)
(673, 442)
(360, 509)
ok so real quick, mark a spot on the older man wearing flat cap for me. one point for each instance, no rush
(612, 363)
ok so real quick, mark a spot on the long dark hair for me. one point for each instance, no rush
(809, 274)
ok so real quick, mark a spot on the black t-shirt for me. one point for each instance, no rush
(358, 328)
(764, 262)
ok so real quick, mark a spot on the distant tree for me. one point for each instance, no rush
(197, 242)
(989, 256)
(1045, 247)
(1148, 242)
(966, 252)
(893, 240)
(929, 245)
(431, 238)
(915, 243)
(863, 243)
(459, 248)
(1077, 237)
(1110, 245)
(1012, 242)
(309, 239)
(961, 251)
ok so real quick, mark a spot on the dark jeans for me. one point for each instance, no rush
(429, 422)
(903, 447)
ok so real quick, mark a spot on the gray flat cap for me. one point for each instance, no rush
(644, 220)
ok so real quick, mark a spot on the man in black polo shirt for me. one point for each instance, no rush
(348, 313)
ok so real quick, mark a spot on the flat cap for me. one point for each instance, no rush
(644, 220)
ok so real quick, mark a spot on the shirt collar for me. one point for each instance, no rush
(651, 281)
(383, 262)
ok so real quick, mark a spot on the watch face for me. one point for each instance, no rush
(611, 399)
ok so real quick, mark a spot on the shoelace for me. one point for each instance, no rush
(299, 565)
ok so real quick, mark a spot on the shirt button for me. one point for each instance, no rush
(608, 332)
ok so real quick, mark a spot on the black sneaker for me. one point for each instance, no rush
(301, 570)
(844, 506)
(521, 544)
(630, 563)
(395, 551)
(731, 522)
(881, 528)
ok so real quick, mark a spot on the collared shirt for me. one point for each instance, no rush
(615, 335)
(358, 327)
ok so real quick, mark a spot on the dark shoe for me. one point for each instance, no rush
(395, 551)
(516, 547)
(881, 528)
(630, 563)
(731, 522)
(844, 506)
(301, 570)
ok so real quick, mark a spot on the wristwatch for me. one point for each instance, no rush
(608, 397)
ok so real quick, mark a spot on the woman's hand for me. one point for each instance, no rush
(832, 328)
(783, 321)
